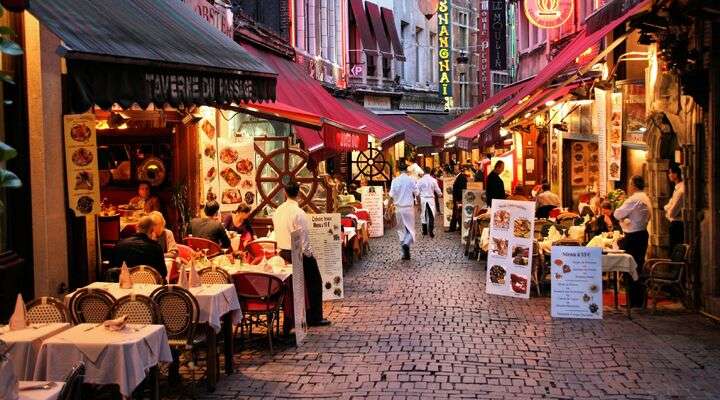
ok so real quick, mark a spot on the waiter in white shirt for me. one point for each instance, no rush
(403, 190)
(634, 215)
(287, 218)
(673, 209)
(428, 188)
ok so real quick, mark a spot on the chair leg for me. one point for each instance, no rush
(269, 330)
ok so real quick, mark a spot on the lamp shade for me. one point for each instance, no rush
(428, 7)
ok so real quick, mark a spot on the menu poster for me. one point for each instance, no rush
(447, 200)
(325, 241)
(512, 225)
(236, 170)
(298, 282)
(372, 201)
(471, 198)
(208, 154)
(576, 290)
(633, 99)
(614, 139)
(81, 163)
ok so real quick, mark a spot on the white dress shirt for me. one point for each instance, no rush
(673, 209)
(547, 198)
(403, 190)
(634, 213)
(428, 186)
(287, 218)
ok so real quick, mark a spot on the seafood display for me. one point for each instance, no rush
(230, 176)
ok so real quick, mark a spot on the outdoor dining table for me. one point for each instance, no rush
(24, 344)
(122, 357)
(51, 393)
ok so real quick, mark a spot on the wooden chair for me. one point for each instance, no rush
(214, 275)
(90, 305)
(72, 390)
(260, 295)
(138, 308)
(46, 310)
(667, 273)
(109, 233)
(145, 274)
(203, 245)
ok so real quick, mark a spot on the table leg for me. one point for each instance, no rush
(627, 295)
(617, 289)
(212, 372)
(229, 345)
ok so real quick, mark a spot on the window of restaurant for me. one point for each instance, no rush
(463, 90)
(432, 59)
(418, 55)
(462, 23)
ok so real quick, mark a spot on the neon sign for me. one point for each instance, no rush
(548, 14)
(444, 51)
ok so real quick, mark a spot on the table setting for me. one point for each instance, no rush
(23, 345)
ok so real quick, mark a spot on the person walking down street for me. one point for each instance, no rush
(429, 189)
(289, 217)
(495, 187)
(673, 209)
(634, 215)
(460, 184)
(403, 190)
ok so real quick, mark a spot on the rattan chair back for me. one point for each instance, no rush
(145, 274)
(90, 305)
(46, 310)
(179, 311)
(139, 309)
(214, 275)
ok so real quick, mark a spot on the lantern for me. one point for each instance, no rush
(14, 5)
(428, 7)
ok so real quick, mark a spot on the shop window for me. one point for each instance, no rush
(432, 59)
(386, 67)
(463, 91)
(418, 54)
(371, 66)
(462, 23)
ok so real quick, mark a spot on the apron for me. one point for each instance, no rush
(405, 224)
(427, 202)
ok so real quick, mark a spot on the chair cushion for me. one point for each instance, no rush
(257, 306)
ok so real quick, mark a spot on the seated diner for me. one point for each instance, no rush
(140, 248)
(209, 227)
(145, 200)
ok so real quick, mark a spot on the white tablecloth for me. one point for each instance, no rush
(24, 345)
(214, 300)
(621, 262)
(121, 357)
(40, 394)
(282, 273)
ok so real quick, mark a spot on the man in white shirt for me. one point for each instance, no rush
(673, 209)
(287, 218)
(634, 215)
(546, 197)
(403, 190)
(428, 188)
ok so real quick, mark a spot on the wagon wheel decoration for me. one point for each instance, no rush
(277, 169)
(372, 165)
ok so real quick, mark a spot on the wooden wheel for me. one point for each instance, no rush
(371, 165)
(277, 168)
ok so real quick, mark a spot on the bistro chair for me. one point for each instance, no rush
(47, 310)
(185, 252)
(90, 305)
(72, 390)
(262, 248)
(665, 274)
(139, 309)
(145, 274)
(260, 295)
(214, 275)
(109, 234)
(203, 245)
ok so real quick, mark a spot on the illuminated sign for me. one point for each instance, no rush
(548, 14)
(444, 52)
(484, 50)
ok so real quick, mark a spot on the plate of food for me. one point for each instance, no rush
(82, 157)
(80, 133)
(85, 204)
(231, 196)
(497, 274)
(249, 198)
(500, 247)
(228, 155)
(208, 128)
(84, 180)
(230, 176)
(210, 175)
(519, 283)
(469, 197)
(209, 151)
(501, 219)
(522, 228)
(244, 166)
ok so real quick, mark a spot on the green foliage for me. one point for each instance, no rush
(8, 46)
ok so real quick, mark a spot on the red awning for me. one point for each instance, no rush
(310, 137)
(361, 22)
(415, 133)
(389, 18)
(283, 112)
(387, 135)
(548, 94)
(378, 28)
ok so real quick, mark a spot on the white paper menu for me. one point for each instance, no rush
(576, 282)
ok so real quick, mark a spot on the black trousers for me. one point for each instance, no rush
(635, 244)
(313, 286)
(455, 219)
(430, 218)
(677, 234)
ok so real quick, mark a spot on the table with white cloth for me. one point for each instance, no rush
(24, 344)
(121, 357)
(50, 393)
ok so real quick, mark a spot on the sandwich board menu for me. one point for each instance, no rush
(81, 161)
(447, 200)
(576, 290)
(324, 233)
(471, 199)
(298, 282)
(372, 201)
(512, 225)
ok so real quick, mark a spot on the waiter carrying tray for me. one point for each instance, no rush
(403, 190)
(428, 188)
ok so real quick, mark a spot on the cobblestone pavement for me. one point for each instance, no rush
(426, 329)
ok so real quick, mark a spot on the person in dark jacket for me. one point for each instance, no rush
(141, 249)
(209, 227)
(495, 186)
(459, 185)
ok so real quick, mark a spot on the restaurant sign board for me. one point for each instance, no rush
(510, 250)
(445, 50)
(484, 74)
(576, 276)
(547, 14)
(372, 201)
(498, 35)
(298, 282)
(81, 161)
(324, 233)
(447, 200)
(472, 197)
(216, 14)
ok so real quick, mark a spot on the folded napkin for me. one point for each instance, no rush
(183, 279)
(19, 318)
(194, 278)
(125, 281)
(115, 324)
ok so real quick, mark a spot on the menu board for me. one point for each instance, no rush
(236, 170)
(298, 282)
(576, 290)
(208, 154)
(614, 139)
(372, 201)
(325, 241)
(81, 164)
(447, 200)
(633, 99)
(584, 163)
(512, 225)
(471, 198)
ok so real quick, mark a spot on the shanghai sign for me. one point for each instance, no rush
(444, 49)
(548, 14)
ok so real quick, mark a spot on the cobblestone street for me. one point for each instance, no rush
(426, 329)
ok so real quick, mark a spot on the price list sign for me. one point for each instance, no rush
(576, 282)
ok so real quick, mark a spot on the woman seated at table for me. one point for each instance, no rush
(239, 222)
(605, 222)
(145, 201)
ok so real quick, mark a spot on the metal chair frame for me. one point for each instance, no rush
(216, 271)
(668, 273)
(80, 296)
(139, 272)
(54, 304)
(118, 308)
(272, 315)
